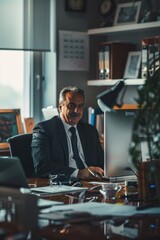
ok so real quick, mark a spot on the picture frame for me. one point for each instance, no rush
(75, 6)
(29, 124)
(132, 65)
(10, 125)
(127, 13)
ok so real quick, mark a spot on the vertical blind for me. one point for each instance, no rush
(25, 25)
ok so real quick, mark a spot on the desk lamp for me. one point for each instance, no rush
(107, 99)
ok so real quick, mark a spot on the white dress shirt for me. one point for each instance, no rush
(72, 162)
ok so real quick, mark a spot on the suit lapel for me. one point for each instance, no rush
(82, 135)
(63, 138)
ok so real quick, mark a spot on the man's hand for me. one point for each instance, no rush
(91, 173)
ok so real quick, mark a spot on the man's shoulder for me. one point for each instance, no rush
(54, 121)
(86, 125)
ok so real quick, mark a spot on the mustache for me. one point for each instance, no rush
(74, 115)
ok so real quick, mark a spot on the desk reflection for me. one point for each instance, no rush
(117, 228)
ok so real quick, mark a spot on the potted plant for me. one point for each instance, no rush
(147, 128)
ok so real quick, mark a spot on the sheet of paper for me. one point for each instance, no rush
(97, 209)
(58, 189)
(46, 203)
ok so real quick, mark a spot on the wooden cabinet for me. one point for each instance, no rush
(4, 152)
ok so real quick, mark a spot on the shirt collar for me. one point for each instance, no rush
(67, 126)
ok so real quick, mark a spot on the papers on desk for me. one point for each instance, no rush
(44, 203)
(56, 190)
(58, 213)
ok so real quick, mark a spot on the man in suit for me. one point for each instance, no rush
(52, 149)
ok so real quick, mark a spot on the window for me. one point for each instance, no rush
(12, 79)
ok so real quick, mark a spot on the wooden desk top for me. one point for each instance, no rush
(134, 227)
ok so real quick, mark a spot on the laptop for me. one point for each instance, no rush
(12, 173)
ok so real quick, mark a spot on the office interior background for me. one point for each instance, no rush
(30, 78)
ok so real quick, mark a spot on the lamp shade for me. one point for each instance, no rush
(107, 99)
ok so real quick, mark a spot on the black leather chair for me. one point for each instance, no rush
(20, 146)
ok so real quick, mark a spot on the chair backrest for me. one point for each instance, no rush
(20, 146)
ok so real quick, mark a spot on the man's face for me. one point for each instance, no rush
(71, 110)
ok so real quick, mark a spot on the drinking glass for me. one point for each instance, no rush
(110, 190)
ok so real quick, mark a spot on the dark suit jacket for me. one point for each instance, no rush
(50, 147)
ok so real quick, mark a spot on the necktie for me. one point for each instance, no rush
(76, 156)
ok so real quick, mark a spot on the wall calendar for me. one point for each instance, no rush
(73, 51)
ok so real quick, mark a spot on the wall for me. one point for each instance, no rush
(81, 22)
(70, 21)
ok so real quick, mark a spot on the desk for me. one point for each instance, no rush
(120, 227)
(135, 227)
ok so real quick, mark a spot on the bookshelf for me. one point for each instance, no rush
(123, 28)
(111, 82)
(138, 27)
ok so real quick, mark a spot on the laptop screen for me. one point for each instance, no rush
(118, 131)
(12, 173)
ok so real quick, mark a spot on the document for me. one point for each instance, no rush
(43, 203)
(56, 190)
(95, 209)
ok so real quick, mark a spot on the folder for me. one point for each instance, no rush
(144, 61)
(106, 61)
(153, 55)
(150, 55)
(100, 64)
(112, 57)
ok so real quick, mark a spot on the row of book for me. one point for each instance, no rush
(112, 58)
(150, 55)
(96, 118)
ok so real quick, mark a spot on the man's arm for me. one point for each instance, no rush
(48, 155)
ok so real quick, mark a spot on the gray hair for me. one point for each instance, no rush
(62, 95)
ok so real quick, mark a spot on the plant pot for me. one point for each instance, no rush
(149, 182)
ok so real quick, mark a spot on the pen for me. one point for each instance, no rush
(93, 173)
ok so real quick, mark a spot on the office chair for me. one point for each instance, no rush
(20, 146)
